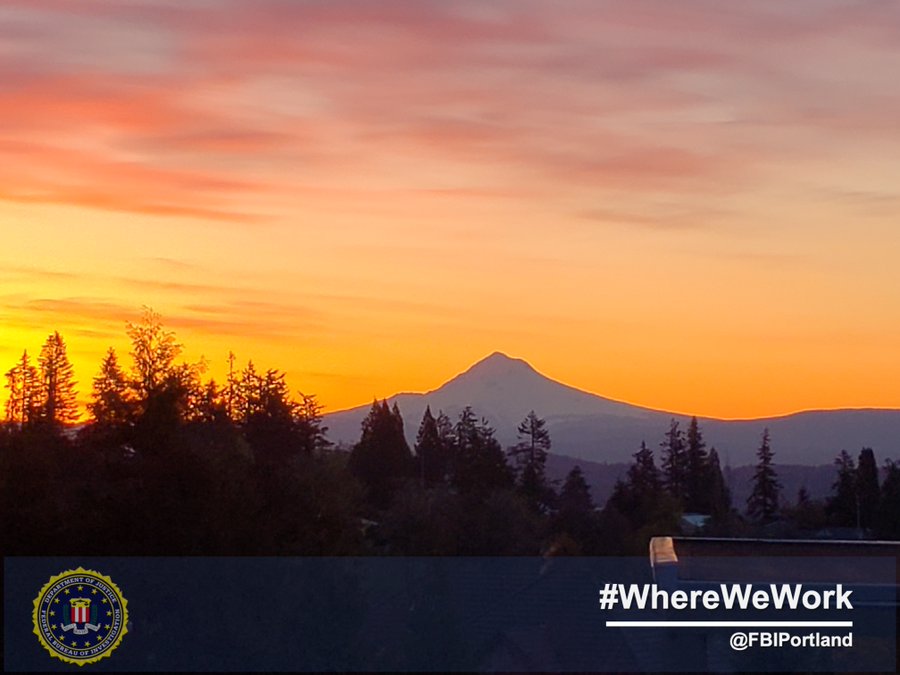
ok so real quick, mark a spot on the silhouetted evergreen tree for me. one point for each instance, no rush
(271, 425)
(232, 385)
(432, 454)
(762, 504)
(479, 463)
(246, 394)
(674, 462)
(575, 496)
(58, 397)
(640, 506)
(312, 430)
(888, 522)
(381, 459)
(643, 476)
(696, 469)
(23, 406)
(446, 431)
(530, 457)
(842, 507)
(868, 491)
(718, 494)
(576, 515)
(111, 405)
(639, 496)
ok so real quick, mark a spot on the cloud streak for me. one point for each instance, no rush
(212, 108)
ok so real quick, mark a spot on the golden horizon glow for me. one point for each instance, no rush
(682, 206)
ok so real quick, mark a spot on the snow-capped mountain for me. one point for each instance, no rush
(584, 425)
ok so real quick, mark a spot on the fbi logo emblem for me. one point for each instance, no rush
(80, 616)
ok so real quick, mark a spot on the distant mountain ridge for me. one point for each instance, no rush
(588, 426)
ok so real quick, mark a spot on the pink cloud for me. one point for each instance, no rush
(253, 98)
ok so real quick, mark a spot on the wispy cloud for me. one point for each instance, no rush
(196, 110)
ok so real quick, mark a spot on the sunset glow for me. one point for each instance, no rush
(691, 206)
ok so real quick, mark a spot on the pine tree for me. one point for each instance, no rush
(889, 514)
(674, 462)
(643, 476)
(575, 496)
(231, 388)
(696, 485)
(308, 412)
(638, 496)
(111, 405)
(842, 507)
(381, 459)
(576, 514)
(59, 399)
(530, 457)
(275, 398)
(719, 496)
(762, 504)
(446, 432)
(247, 394)
(270, 425)
(24, 402)
(430, 451)
(868, 491)
(479, 463)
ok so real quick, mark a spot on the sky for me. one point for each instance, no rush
(688, 205)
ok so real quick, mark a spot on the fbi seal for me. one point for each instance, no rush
(80, 616)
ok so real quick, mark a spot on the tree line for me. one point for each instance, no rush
(168, 463)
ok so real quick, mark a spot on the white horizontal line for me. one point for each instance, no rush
(729, 624)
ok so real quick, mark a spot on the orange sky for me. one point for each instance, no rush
(691, 206)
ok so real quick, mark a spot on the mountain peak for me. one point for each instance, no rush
(499, 364)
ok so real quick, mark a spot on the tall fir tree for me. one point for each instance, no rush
(479, 463)
(23, 407)
(575, 495)
(231, 388)
(888, 521)
(308, 413)
(431, 453)
(111, 405)
(576, 513)
(762, 504)
(446, 432)
(867, 488)
(719, 495)
(270, 426)
(638, 497)
(842, 507)
(59, 404)
(674, 462)
(530, 458)
(696, 470)
(381, 459)
(643, 476)
(246, 392)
